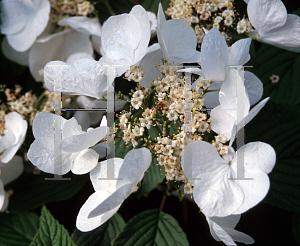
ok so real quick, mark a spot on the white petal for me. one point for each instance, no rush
(13, 55)
(148, 63)
(211, 99)
(141, 15)
(214, 56)
(99, 207)
(120, 66)
(43, 124)
(285, 37)
(14, 123)
(101, 149)
(41, 154)
(254, 87)
(72, 58)
(178, 44)
(233, 86)
(161, 19)
(13, 15)
(258, 156)
(57, 47)
(197, 71)
(11, 170)
(37, 19)
(266, 15)
(2, 195)
(82, 24)
(86, 77)
(228, 221)
(200, 157)
(85, 161)
(99, 176)
(121, 36)
(5, 204)
(254, 190)
(85, 140)
(239, 52)
(136, 162)
(7, 141)
(222, 232)
(217, 194)
(221, 121)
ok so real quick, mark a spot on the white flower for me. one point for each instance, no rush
(136, 102)
(23, 21)
(125, 39)
(9, 172)
(218, 191)
(224, 117)
(14, 135)
(74, 39)
(73, 153)
(110, 194)
(273, 25)
(222, 229)
(216, 58)
(177, 39)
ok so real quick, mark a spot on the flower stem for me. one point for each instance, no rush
(109, 8)
(163, 201)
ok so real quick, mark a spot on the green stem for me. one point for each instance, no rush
(109, 8)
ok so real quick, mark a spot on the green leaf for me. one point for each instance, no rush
(270, 60)
(101, 236)
(50, 232)
(32, 191)
(152, 178)
(121, 149)
(279, 126)
(18, 229)
(151, 227)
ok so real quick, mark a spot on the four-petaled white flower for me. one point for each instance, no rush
(14, 135)
(273, 25)
(218, 190)
(73, 153)
(110, 193)
(225, 116)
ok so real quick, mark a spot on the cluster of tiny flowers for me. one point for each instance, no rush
(22, 104)
(207, 14)
(28, 105)
(61, 9)
(166, 111)
(135, 74)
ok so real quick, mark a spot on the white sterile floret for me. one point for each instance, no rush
(125, 39)
(216, 58)
(23, 21)
(177, 46)
(73, 153)
(9, 172)
(218, 191)
(222, 229)
(273, 25)
(110, 193)
(224, 116)
(153, 21)
(15, 129)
